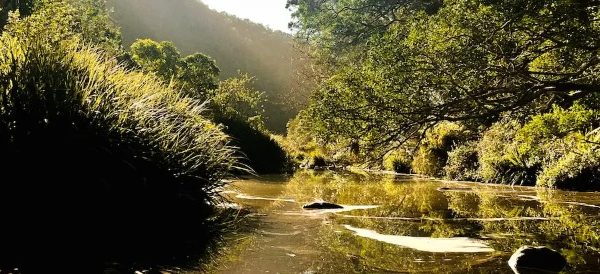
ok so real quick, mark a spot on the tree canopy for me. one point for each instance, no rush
(195, 74)
(401, 67)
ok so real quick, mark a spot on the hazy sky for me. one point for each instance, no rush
(271, 13)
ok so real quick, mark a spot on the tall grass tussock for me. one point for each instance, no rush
(98, 163)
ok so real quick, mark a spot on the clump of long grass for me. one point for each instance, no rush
(105, 163)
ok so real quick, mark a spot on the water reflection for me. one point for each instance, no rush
(400, 221)
(427, 244)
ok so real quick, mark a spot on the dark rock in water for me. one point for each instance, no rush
(321, 205)
(529, 259)
(454, 189)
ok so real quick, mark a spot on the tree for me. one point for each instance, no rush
(157, 57)
(195, 75)
(88, 20)
(198, 71)
(96, 26)
(236, 99)
(404, 67)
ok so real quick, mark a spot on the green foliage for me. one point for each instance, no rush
(568, 145)
(98, 89)
(400, 66)
(463, 163)
(157, 57)
(93, 22)
(234, 102)
(87, 19)
(236, 44)
(555, 149)
(545, 137)
(240, 109)
(236, 99)
(432, 153)
(299, 132)
(89, 148)
(499, 158)
(197, 71)
(339, 25)
(579, 169)
(398, 161)
(257, 150)
(195, 75)
(22, 7)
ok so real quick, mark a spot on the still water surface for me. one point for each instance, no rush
(398, 224)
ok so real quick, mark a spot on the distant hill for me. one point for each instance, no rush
(236, 45)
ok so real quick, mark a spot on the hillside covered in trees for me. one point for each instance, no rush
(235, 44)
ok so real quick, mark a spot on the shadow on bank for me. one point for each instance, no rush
(101, 167)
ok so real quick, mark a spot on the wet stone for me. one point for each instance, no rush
(322, 205)
(529, 259)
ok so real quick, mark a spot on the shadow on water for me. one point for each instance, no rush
(73, 201)
(407, 224)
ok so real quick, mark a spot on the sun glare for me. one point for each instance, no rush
(271, 13)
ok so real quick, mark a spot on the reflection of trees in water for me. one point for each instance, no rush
(362, 255)
(412, 199)
(573, 230)
(491, 213)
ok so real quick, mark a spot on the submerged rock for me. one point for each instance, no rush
(322, 205)
(529, 259)
(455, 189)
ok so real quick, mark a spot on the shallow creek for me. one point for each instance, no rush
(398, 224)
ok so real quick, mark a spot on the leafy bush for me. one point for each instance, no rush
(499, 158)
(398, 161)
(240, 108)
(257, 150)
(300, 141)
(578, 170)
(463, 163)
(23, 7)
(571, 147)
(552, 146)
(547, 137)
(90, 149)
(432, 154)
(236, 99)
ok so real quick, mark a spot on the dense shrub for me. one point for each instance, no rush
(547, 137)
(499, 158)
(257, 150)
(98, 164)
(463, 163)
(569, 146)
(432, 154)
(551, 149)
(23, 7)
(398, 161)
(300, 142)
(235, 98)
(240, 109)
(578, 169)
